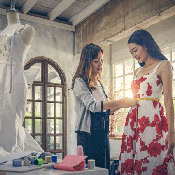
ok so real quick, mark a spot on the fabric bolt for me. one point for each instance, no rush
(143, 142)
(13, 96)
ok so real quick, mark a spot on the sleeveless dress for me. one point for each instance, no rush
(13, 96)
(143, 142)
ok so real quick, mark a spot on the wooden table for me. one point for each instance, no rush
(96, 171)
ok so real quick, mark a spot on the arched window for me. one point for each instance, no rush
(45, 117)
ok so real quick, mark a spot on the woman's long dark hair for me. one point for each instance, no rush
(84, 69)
(143, 38)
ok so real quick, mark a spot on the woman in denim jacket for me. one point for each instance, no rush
(92, 107)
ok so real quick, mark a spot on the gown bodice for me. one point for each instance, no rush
(148, 86)
(12, 47)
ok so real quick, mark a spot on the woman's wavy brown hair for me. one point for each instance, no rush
(84, 69)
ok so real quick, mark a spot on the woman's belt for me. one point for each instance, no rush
(151, 99)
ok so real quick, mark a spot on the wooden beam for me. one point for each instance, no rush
(41, 21)
(76, 19)
(28, 5)
(63, 5)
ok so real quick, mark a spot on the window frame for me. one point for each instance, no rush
(45, 84)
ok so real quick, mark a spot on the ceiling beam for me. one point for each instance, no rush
(28, 5)
(63, 5)
(76, 19)
(41, 21)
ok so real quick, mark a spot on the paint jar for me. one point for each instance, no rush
(91, 164)
(32, 159)
(38, 162)
(54, 158)
(17, 162)
(80, 151)
(47, 159)
(26, 162)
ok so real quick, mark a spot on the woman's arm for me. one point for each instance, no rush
(117, 104)
(81, 91)
(167, 77)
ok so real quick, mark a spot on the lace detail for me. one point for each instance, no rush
(5, 48)
(16, 149)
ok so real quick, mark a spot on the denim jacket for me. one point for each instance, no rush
(85, 103)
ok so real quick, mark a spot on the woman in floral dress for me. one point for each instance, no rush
(148, 139)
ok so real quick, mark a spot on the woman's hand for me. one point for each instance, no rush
(128, 102)
(170, 142)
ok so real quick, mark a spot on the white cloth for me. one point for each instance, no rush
(13, 136)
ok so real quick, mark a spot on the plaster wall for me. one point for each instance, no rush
(57, 45)
(162, 32)
(116, 17)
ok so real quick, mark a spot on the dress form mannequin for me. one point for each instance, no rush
(26, 34)
(15, 42)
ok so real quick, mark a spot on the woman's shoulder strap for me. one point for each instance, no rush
(154, 71)
(138, 70)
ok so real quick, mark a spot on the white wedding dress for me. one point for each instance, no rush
(13, 96)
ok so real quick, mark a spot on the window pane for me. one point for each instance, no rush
(128, 80)
(38, 125)
(121, 115)
(29, 93)
(173, 53)
(119, 94)
(174, 89)
(50, 142)
(59, 156)
(50, 109)
(53, 76)
(38, 92)
(58, 94)
(128, 66)
(118, 82)
(118, 69)
(58, 126)
(173, 64)
(50, 125)
(129, 94)
(39, 140)
(29, 109)
(38, 109)
(174, 109)
(50, 93)
(38, 77)
(59, 142)
(58, 110)
(28, 125)
(166, 52)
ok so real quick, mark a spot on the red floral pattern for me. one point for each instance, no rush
(161, 170)
(159, 80)
(127, 167)
(149, 90)
(136, 140)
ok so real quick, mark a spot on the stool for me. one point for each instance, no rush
(114, 165)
